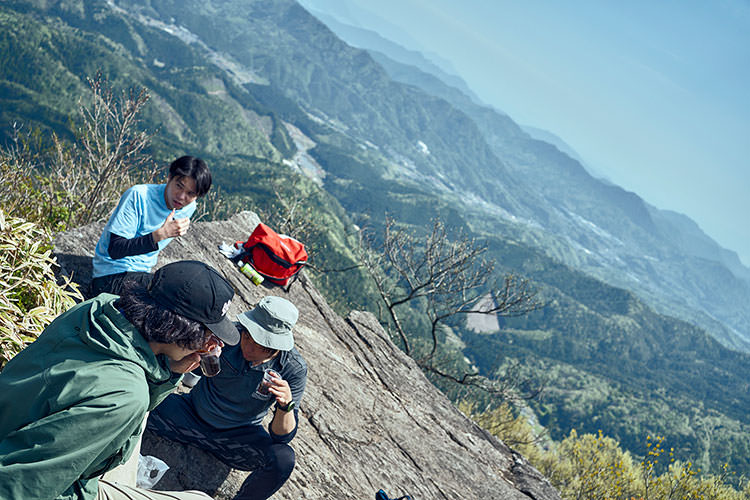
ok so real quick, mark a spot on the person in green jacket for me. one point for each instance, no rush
(72, 403)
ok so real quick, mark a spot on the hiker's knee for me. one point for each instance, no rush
(281, 460)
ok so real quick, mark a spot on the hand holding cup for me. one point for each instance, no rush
(268, 381)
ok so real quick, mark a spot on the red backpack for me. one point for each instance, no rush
(276, 257)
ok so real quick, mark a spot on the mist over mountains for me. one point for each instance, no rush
(628, 86)
(642, 305)
(497, 127)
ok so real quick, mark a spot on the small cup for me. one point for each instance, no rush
(210, 365)
(266, 382)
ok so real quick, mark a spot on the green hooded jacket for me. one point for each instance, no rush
(72, 403)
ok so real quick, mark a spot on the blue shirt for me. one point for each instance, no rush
(141, 210)
(231, 398)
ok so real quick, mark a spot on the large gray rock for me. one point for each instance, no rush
(369, 418)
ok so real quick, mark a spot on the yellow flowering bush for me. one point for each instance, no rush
(594, 467)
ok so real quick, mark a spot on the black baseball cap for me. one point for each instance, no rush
(196, 291)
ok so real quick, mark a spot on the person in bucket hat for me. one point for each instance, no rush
(72, 403)
(223, 414)
(270, 323)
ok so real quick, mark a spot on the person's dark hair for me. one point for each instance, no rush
(156, 323)
(190, 166)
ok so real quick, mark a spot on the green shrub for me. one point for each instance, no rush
(589, 466)
(30, 296)
(594, 467)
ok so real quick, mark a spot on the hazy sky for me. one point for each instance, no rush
(654, 95)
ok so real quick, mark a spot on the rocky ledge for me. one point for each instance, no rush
(369, 418)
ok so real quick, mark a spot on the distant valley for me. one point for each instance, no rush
(646, 316)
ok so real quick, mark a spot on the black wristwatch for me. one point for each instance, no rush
(289, 406)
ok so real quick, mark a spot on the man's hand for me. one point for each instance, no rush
(171, 228)
(283, 422)
(186, 364)
(280, 388)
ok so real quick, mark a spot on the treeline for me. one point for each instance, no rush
(593, 466)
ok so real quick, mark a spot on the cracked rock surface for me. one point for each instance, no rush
(369, 418)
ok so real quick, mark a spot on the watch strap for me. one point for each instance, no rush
(289, 406)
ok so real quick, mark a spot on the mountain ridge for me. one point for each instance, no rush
(372, 42)
(632, 206)
(240, 129)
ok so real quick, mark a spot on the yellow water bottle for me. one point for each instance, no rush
(251, 273)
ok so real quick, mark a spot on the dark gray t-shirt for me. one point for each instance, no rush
(231, 399)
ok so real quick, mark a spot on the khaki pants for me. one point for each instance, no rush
(119, 484)
(127, 473)
(116, 491)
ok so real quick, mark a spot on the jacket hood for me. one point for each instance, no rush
(111, 333)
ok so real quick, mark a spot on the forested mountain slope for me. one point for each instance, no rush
(265, 92)
(617, 236)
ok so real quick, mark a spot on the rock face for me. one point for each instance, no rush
(369, 418)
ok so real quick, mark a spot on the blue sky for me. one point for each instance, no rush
(653, 95)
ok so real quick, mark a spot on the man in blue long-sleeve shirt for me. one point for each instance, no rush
(147, 218)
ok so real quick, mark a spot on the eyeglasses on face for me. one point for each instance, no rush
(246, 334)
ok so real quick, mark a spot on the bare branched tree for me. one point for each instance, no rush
(112, 147)
(293, 219)
(448, 277)
(70, 184)
(288, 213)
(213, 206)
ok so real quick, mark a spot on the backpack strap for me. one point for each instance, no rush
(292, 279)
(271, 255)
